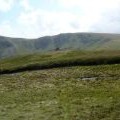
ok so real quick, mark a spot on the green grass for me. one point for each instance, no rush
(71, 93)
(58, 59)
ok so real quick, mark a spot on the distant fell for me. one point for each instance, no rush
(67, 41)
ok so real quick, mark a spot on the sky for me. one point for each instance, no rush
(36, 18)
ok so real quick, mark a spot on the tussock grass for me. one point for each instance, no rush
(71, 93)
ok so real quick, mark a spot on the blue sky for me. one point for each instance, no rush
(36, 18)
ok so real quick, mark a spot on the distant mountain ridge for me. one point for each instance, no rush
(82, 41)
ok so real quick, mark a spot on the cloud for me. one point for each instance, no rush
(39, 22)
(110, 22)
(65, 16)
(6, 5)
(5, 28)
(95, 15)
(26, 5)
(86, 4)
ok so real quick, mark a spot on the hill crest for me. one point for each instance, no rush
(70, 41)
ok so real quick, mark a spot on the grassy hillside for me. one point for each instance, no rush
(74, 93)
(88, 91)
(69, 41)
(58, 59)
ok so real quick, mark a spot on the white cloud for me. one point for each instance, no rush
(6, 5)
(26, 5)
(41, 22)
(92, 15)
(110, 22)
(84, 4)
(92, 12)
(5, 28)
(72, 16)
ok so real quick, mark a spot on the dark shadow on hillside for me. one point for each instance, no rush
(63, 63)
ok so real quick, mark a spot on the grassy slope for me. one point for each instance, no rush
(58, 59)
(74, 93)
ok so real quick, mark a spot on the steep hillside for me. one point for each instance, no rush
(69, 41)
